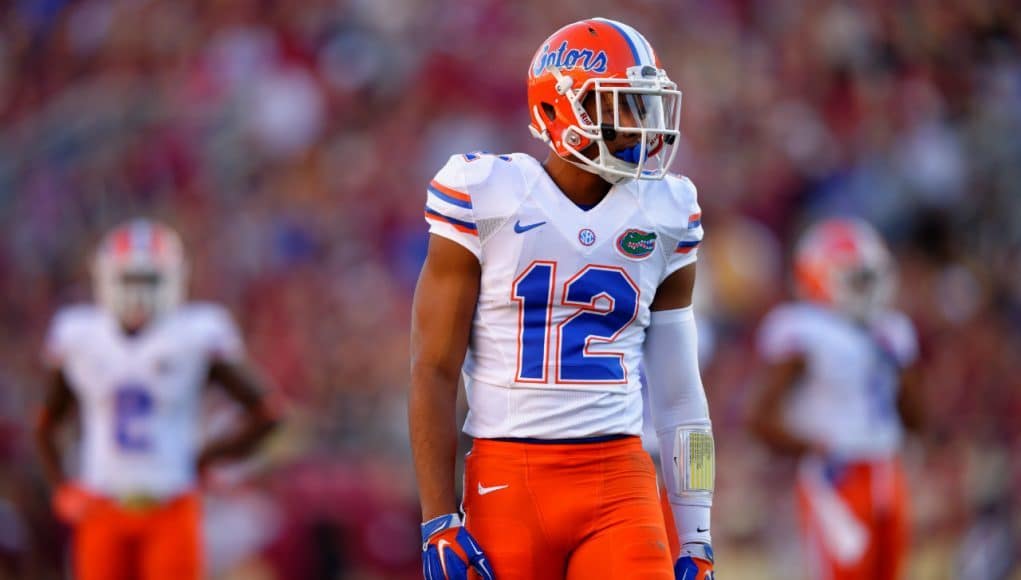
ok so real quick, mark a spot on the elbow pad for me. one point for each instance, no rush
(680, 414)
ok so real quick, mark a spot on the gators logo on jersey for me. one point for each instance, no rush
(636, 244)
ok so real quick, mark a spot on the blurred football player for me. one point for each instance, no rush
(839, 389)
(547, 284)
(135, 365)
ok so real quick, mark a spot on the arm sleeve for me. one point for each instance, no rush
(678, 402)
(448, 206)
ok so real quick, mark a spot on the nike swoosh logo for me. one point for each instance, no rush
(441, 550)
(520, 229)
(483, 490)
(701, 530)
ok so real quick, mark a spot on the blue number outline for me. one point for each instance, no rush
(592, 306)
(521, 319)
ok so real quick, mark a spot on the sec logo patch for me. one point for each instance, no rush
(587, 237)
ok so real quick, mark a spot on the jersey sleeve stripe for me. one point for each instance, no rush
(694, 221)
(459, 225)
(683, 247)
(442, 197)
(449, 195)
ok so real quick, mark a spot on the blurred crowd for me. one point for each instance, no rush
(290, 144)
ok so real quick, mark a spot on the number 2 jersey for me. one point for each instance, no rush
(557, 335)
(139, 395)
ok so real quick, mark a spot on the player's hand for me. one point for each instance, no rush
(449, 551)
(695, 563)
(72, 502)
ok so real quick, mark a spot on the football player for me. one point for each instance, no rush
(134, 365)
(840, 387)
(547, 284)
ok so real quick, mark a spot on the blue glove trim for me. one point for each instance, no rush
(438, 524)
(448, 565)
(433, 566)
(685, 567)
(476, 558)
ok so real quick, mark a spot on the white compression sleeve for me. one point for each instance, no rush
(680, 414)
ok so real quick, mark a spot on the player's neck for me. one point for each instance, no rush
(131, 331)
(134, 328)
(581, 187)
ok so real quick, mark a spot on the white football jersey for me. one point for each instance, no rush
(847, 399)
(563, 306)
(139, 396)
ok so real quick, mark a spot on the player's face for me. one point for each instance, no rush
(624, 116)
(863, 281)
(865, 290)
(602, 106)
(139, 293)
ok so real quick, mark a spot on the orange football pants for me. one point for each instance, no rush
(573, 511)
(876, 494)
(159, 543)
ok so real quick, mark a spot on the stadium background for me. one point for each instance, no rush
(290, 142)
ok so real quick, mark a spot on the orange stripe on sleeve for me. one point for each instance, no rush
(451, 192)
(457, 227)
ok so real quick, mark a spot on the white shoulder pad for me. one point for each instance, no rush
(784, 332)
(448, 207)
(212, 326)
(472, 195)
(679, 220)
(70, 326)
(507, 181)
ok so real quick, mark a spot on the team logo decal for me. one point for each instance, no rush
(565, 58)
(587, 237)
(636, 244)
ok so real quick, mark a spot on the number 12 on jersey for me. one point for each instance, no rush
(605, 300)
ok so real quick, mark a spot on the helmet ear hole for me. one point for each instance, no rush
(550, 112)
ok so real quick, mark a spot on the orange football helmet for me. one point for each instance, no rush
(604, 58)
(139, 272)
(845, 263)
